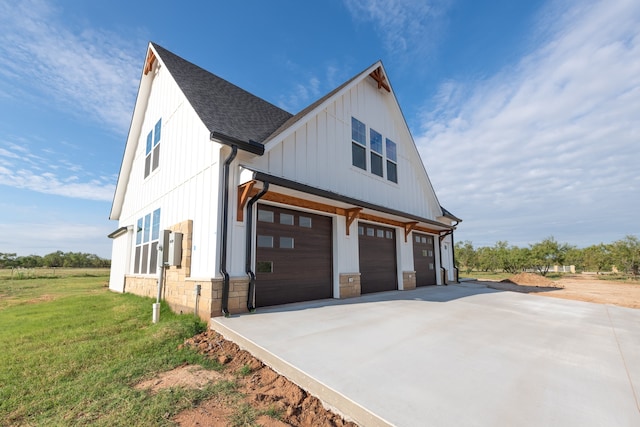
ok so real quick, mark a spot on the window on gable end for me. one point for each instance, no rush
(358, 144)
(392, 161)
(147, 158)
(376, 153)
(156, 145)
(152, 151)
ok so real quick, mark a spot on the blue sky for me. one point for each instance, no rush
(526, 114)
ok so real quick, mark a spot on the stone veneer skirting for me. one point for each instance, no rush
(408, 280)
(350, 285)
(179, 288)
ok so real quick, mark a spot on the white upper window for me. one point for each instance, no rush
(152, 151)
(376, 154)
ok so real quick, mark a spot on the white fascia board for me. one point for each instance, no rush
(133, 137)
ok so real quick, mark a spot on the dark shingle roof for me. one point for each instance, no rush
(222, 106)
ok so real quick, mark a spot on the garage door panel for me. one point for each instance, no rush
(378, 267)
(424, 259)
(293, 256)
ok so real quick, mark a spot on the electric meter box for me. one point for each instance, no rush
(174, 249)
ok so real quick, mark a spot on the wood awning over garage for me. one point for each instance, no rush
(304, 196)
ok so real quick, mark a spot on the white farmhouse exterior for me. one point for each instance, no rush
(272, 208)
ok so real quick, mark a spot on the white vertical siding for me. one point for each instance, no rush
(184, 186)
(319, 153)
(120, 255)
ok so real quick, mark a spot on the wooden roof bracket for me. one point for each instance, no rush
(408, 228)
(244, 192)
(351, 215)
(148, 65)
(379, 77)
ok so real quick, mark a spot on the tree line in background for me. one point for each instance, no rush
(54, 259)
(622, 256)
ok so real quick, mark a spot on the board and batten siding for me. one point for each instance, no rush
(184, 186)
(318, 153)
(120, 257)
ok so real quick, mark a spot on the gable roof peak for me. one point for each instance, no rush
(223, 107)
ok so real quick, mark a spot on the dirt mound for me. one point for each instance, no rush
(529, 279)
(187, 376)
(263, 388)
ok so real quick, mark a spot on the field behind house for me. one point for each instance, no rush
(71, 351)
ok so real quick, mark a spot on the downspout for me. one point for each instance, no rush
(225, 221)
(453, 257)
(251, 295)
(440, 239)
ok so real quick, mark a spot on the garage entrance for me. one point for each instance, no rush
(424, 259)
(293, 256)
(378, 267)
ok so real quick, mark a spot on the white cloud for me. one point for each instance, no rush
(87, 71)
(406, 26)
(313, 88)
(20, 168)
(551, 144)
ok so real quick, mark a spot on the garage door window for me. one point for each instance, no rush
(265, 216)
(265, 241)
(286, 242)
(264, 267)
(305, 222)
(286, 219)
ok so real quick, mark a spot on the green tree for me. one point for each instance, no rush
(486, 259)
(54, 259)
(8, 260)
(597, 258)
(626, 255)
(465, 256)
(547, 253)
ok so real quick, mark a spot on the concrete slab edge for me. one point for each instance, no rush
(330, 398)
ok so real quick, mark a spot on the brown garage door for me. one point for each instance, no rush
(293, 256)
(424, 259)
(377, 247)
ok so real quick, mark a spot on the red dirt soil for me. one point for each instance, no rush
(263, 389)
(576, 287)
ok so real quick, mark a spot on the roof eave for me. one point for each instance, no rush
(248, 146)
(304, 188)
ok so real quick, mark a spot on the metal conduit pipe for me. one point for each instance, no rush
(251, 295)
(225, 222)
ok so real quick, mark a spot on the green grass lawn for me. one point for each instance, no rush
(70, 352)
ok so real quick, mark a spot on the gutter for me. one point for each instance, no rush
(225, 231)
(250, 146)
(251, 294)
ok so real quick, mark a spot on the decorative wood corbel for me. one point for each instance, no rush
(148, 66)
(408, 228)
(244, 192)
(379, 77)
(351, 215)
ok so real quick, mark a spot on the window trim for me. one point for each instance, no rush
(145, 246)
(376, 149)
(152, 149)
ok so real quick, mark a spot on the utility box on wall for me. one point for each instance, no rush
(174, 250)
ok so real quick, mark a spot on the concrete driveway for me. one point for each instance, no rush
(459, 355)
